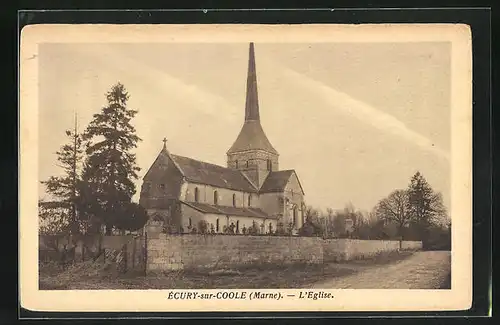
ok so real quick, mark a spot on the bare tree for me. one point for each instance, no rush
(394, 209)
(65, 188)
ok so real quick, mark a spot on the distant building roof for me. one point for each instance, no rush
(276, 181)
(228, 210)
(205, 173)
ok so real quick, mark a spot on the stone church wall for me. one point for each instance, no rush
(174, 252)
(162, 182)
(256, 159)
(211, 219)
(224, 196)
(270, 202)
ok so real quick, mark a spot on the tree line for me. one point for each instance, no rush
(96, 187)
(414, 213)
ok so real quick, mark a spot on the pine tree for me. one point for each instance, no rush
(425, 206)
(66, 188)
(110, 169)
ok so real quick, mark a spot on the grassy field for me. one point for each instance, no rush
(88, 276)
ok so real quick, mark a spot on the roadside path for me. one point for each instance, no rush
(422, 270)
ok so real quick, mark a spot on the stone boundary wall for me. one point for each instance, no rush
(336, 250)
(206, 252)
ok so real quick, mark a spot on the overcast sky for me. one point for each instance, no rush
(355, 120)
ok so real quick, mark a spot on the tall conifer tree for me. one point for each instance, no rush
(110, 169)
(425, 206)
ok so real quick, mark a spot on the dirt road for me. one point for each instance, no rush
(423, 270)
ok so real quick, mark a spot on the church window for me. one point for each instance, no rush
(190, 222)
(234, 200)
(269, 165)
(236, 163)
(249, 199)
(216, 198)
(247, 163)
(237, 226)
(196, 194)
(295, 215)
(217, 225)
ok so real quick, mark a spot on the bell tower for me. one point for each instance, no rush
(252, 153)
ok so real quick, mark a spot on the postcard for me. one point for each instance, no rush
(169, 168)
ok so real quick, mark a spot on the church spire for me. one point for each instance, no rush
(252, 136)
(252, 100)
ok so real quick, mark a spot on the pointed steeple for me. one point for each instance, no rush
(252, 136)
(252, 101)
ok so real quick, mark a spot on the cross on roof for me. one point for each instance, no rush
(164, 142)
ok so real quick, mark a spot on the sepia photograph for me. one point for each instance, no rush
(257, 164)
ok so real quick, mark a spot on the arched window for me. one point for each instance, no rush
(190, 222)
(236, 163)
(237, 226)
(217, 225)
(196, 194)
(234, 200)
(295, 215)
(216, 198)
(247, 163)
(269, 165)
(249, 199)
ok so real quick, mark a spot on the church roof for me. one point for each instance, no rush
(228, 210)
(276, 181)
(205, 173)
(252, 135)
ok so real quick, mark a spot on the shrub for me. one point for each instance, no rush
(132, 217)
(307, 230)
(203, 227)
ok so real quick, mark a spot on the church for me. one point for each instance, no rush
(250, 195)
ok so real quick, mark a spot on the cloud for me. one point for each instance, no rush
(364, 112)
